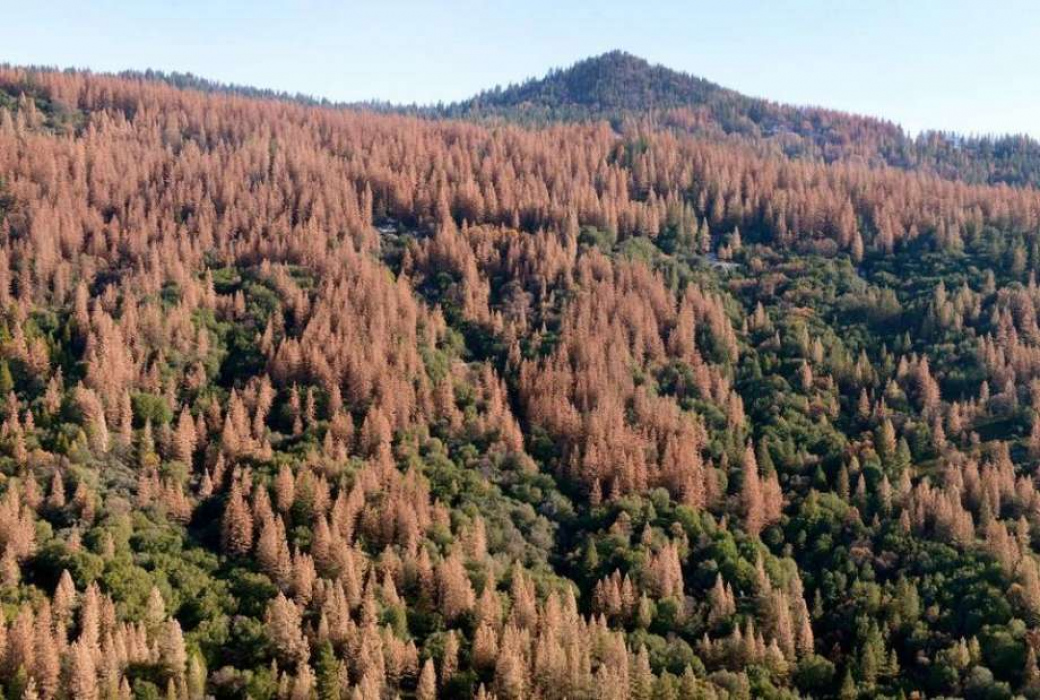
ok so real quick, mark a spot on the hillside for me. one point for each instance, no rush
(618, 86)
(304, 403)
(631, 93)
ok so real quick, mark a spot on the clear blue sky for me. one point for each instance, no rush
(956, 64)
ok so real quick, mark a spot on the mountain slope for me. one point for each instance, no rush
(625, 89)
(618, 86)
(321, 403)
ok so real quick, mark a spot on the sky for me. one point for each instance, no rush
(958, 65)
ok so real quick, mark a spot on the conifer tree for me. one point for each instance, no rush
(427, 687)
(237, 524)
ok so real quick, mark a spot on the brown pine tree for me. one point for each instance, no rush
(173, 653)
(450, 658)
(752, 500)
(284, 489)
(184, 438)
(427, 687)
(237, 524)
(82, 677)
(47, 664)
(455, 593)
(272, 552)
(285, 630)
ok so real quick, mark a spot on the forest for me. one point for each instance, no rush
(304, 401)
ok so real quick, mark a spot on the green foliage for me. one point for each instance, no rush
(151, 408)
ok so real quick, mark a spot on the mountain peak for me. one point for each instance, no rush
(606, 85)
(615, 58)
